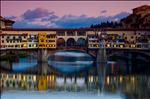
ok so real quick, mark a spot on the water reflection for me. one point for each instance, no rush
(117, 79)
(23, 64)
(71, 61)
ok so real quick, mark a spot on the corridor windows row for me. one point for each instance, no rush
(70, 33)
(50, 40)
(51, 36)
(93, 45)
(51, 45)
(61, 33)
(81, 33)
(14, 41)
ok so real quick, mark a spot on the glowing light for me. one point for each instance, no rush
(108, 45)
(107, 80)
(34, 45)
(115, 45)
(53, 78)
(19, 77)
(34, 78)
(121, 46)
(121, 79)
(114, 78)
(24, 77)
(91, 79)
(25, 45)
(13, 77)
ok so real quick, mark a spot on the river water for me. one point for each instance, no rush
(119, 83)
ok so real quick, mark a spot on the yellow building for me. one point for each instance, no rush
(42, 38)
(51, 40)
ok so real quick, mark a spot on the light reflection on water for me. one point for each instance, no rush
(135, 86)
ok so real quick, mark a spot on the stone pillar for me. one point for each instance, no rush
(42, 61)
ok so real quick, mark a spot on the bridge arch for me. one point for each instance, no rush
(81, 42)
(71, 42)
(130, 55)
(61, 42)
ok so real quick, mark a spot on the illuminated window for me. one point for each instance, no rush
(121, 46)
(34, 45)
(133, 45)
(25, 45)
(115, 45)
(108, 45)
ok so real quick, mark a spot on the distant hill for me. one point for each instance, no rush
(140, 18)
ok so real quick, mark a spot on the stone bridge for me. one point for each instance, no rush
(43, 54)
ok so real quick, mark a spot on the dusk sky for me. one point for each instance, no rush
(67, 14)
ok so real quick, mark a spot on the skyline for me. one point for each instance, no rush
(70, 14)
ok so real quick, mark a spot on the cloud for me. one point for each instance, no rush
(37, 13)
(70, 21)
(24, 24)
(103, 11)
(11, 17)
(43, 18)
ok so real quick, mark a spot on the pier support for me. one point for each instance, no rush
(42, 61)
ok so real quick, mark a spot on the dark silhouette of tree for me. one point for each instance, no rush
(107, 25)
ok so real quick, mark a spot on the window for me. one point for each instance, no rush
(131, 37)
(42, 40)
(53, 36)
(13, 37)
(139, 33)
(69, 33)
(125, 38)
(19, 37)
(61, 33)
(2, 41)
(81, 33)
(48, 36)
(51, 40)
